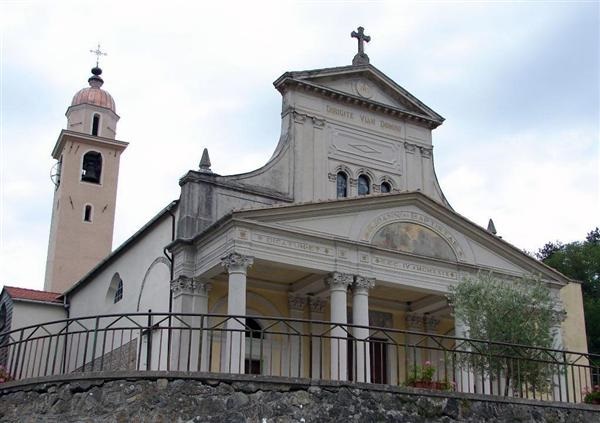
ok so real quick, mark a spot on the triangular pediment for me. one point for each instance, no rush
(363, 83)
(407, 224)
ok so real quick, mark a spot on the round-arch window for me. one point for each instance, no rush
(386, 187)
(92, 167)
(2, 316)
(363, 185)
(253, 328)
(341, 185)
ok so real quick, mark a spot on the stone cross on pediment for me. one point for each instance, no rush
(361, 57)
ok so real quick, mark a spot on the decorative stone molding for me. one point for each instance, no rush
(190, 286)
(318, 123)
(337, 280)
(236, 262)
(414, 321)
(317, 304)
(430, 323)
(426, 152)
(299, 118)
(296, 302)
(332, 177)
(362, 283)
(411, 148)
(353, 182)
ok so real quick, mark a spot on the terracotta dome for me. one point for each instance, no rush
(94, 94)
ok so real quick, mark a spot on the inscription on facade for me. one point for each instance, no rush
(364, 119)
(414, 267)
(292, 244)
(405, 215)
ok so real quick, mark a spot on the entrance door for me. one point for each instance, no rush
(377, 357)
(378, 353)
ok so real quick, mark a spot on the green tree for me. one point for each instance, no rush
(521, 311)
(580, 261)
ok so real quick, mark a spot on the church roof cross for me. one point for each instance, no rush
(361, 57)
(98, 53)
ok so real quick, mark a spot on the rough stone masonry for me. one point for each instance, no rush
(261, 400)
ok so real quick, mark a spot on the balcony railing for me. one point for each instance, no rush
(294, 348)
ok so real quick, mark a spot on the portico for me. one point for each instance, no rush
(370, 269)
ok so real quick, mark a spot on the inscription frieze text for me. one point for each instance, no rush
(414, 267)
(292, 244)
(364, 119)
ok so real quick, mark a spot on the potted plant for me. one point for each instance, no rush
(422, 377)
(4, 375)
(591, 396)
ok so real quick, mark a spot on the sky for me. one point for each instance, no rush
(518, 84)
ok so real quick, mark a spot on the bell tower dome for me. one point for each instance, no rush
(93, 110)
(85, 178)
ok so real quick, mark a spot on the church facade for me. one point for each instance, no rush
(346, 223)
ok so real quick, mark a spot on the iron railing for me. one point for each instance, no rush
(294, 348)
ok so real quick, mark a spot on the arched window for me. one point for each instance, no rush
(115, 290)
(95, 124)
(119, 291)
(363, 185)
(342, 185)
(254, 338)
(87, 213)
(2, 316)
(386, 187)
(91, 169)
(253, 328)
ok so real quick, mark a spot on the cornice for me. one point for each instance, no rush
(65, 135)
(370, 71)
(372, 106)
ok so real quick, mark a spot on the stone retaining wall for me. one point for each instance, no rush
(179, 398)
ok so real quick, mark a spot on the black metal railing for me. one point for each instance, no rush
(295, 348)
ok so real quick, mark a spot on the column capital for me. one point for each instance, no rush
(237, 263)
(190, 286)
(317, 304)
(296, 302)
(414, 321)
(363, 284)
(431, 323)
(337, 280)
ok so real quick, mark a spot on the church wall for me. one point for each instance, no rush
(321, 136)
(27, 313)
(132, 265)
(205, 198)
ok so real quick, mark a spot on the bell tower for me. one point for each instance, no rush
(85, 178)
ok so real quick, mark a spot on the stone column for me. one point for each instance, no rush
(189, 346)
(465, 377)
(434, 356)
(235, 340)
(360, 317)
(414, 323)
(295, 342)
(317, 307)
(338, 288)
